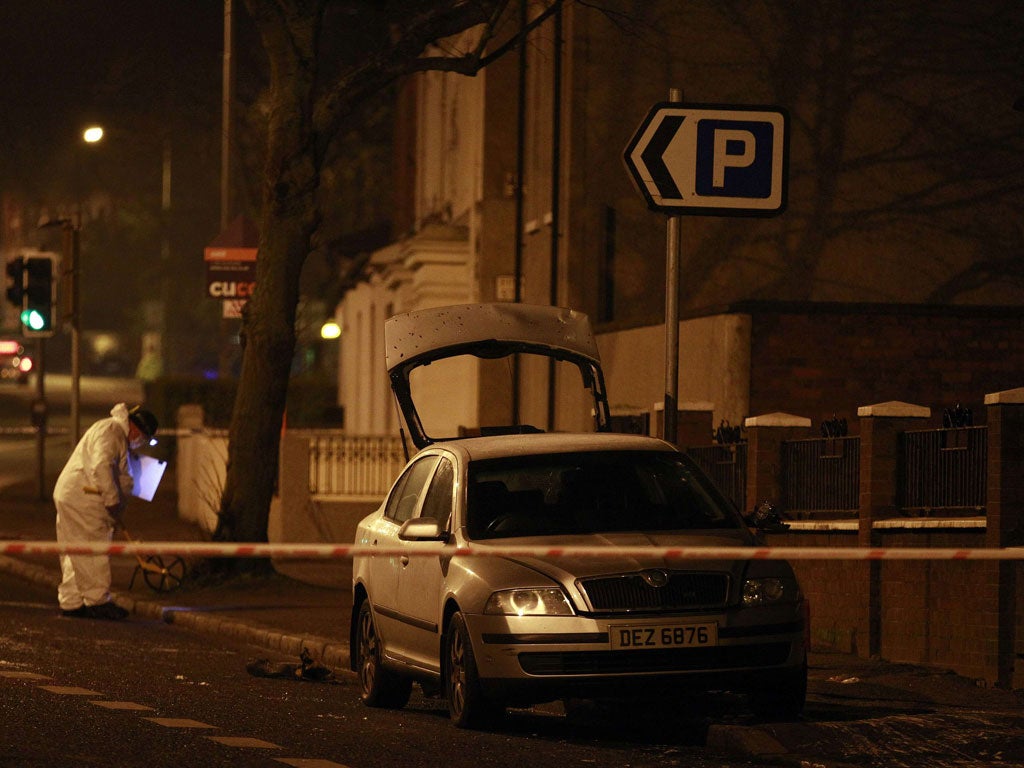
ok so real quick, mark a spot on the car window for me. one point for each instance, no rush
(438, 502)
(406, 493)
(592, 492)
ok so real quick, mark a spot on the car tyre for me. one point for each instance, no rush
(378, 687)
(468, 706)
(784, 700)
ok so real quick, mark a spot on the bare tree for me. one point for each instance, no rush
(903, 134)
(326, 58)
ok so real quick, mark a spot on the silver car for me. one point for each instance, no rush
(497, 631)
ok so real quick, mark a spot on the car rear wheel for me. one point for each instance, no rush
(379, 687)
(467, 704)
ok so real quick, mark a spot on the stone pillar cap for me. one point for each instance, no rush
(777, 419)
(693, 405)
(895, 409)
(1006, 397)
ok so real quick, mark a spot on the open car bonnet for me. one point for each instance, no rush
(489, 331)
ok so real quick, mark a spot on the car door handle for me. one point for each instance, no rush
(404, 560)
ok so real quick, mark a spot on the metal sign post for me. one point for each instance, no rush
(39, 412)
(673, 248)
(704, 158)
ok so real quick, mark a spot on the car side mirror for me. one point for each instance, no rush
(422, 529)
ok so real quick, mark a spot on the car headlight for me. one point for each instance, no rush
(769, 591)
(545, 601)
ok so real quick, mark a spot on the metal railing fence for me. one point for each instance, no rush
(726, 465)
(343, 465)
(943, 471)
(821, 477)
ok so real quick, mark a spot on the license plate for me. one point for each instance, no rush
(643, 636)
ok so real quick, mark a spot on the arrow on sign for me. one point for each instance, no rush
(653, 156)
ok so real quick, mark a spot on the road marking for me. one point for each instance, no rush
(25, 675)
(244, 741)
(178, 722)
(25, 605)
(70, 690)
(130, 705)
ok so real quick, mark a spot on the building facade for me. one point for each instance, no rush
(899, 241)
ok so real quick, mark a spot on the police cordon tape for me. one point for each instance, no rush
(430, 549)
(163, 434)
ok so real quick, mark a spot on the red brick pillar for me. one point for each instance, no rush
(765, 435)
(1005, 516)
(693, 424)
(880, 429)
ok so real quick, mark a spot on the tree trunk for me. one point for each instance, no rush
(288, 220)
(298, 134)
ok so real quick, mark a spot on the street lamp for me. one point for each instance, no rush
(330, 330)
(92, 134)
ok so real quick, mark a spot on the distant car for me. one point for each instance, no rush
(497, 631)
(15, 363)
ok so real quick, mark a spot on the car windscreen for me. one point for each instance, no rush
(592, 492)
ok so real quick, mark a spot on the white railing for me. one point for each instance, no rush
(354, 466)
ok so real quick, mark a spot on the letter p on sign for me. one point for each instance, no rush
(734, 159)
(733, 149)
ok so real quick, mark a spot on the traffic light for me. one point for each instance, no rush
(16, 274)
(40, 297)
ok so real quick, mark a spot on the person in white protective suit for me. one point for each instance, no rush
(90, 498)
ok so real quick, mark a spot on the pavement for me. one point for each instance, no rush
(306, 605)
(302, 604)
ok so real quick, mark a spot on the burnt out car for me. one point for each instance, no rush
(608, 621)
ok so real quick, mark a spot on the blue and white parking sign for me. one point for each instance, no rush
(713, 159)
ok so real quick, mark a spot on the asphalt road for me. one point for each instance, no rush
(148, 694)
(141, 693)
(145, 693)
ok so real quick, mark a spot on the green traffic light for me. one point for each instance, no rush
(38, 296)
(34, 320)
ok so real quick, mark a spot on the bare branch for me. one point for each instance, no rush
(473, 63)
(400, 57)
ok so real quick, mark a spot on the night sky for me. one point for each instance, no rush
(67, 62)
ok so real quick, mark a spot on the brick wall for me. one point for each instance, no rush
(1017, 674)
(837, 591)
(818, 359)
(965, 615)
(940, 612)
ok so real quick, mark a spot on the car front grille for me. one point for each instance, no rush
(632, 593)
(659, 660)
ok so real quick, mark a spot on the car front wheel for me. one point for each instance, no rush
(379, 687)
(467, 704)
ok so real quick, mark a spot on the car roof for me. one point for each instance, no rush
(501, 446)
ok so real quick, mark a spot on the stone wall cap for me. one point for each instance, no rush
(1006, 397)
(895, 409)
(777, 419)
(694, 405)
